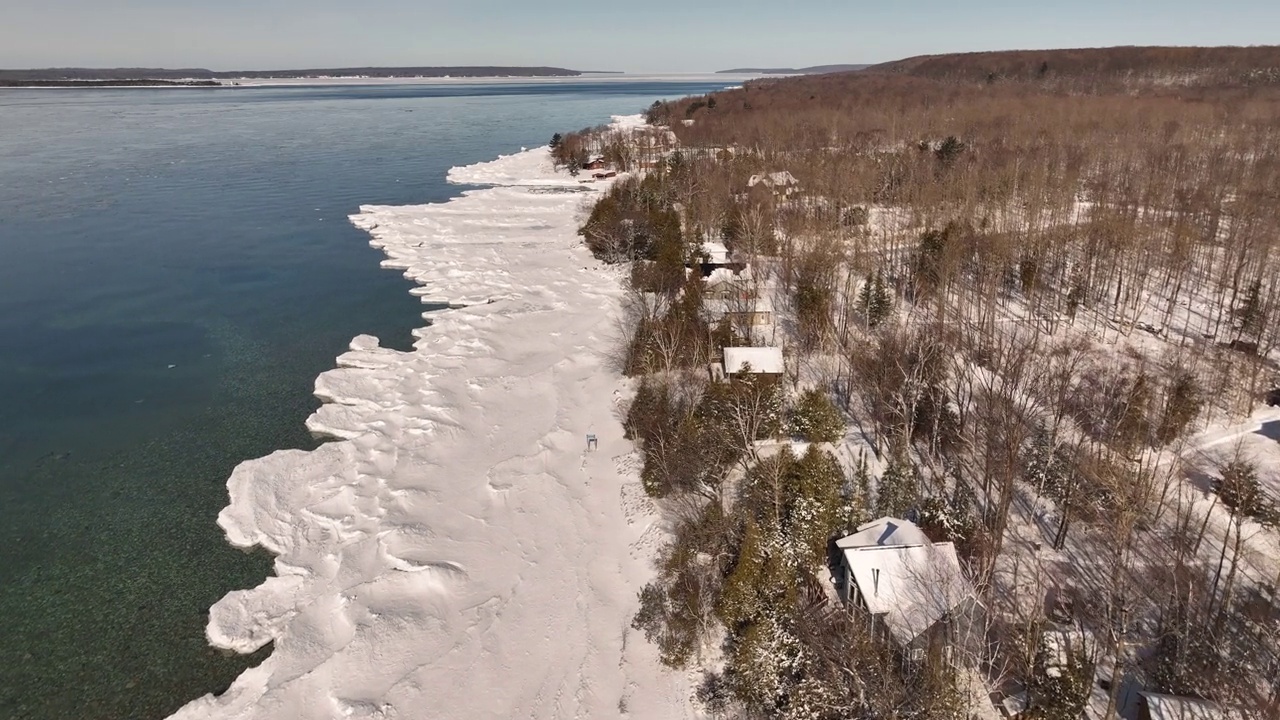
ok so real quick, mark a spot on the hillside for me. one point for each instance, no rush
(1023, 305)
(814, 70)
(1194, 63)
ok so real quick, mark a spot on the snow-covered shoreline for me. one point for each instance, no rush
(458, 553)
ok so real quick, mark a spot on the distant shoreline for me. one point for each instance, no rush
(108, 83)
(138, 75)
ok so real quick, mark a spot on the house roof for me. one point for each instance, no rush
(729, 276)
(1173, 707)
(884, 532)
(766, 360)
(717, 253)
(773, 179)
(904, 578)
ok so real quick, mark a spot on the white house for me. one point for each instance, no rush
(761, 360)
(892, 570)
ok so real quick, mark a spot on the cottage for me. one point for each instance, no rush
(727, 283)
(1155, 706)
(912, 586)
(783, 182)
(595, 162)
(755, 360)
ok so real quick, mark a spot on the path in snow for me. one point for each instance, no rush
(458, 553)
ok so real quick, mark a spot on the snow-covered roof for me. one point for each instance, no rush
(904, 578)
(727, 275)
(773, 179)
(766, 360)
(717, 253)
(1172, 707)
(884, 532)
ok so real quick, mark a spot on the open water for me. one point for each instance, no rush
(176, 267)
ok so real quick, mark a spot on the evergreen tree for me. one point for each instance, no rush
(874, 301)
(1240, 490)
(813, 508)
(949, 151)
(1248, 315)
(896, 493)
(1182, 405)
(816, 419)
(858, 495)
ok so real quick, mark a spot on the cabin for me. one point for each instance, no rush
(595, 162)
(915, 589)
(727, 283)
(1155, 706)
(753, 360)
(779, 182)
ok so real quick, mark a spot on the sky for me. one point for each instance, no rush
(653, 36)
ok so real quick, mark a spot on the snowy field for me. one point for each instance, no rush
(458, 552)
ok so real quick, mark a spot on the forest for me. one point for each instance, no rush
(1027, 302)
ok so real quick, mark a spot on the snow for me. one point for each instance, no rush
(764, 360)
(1169, 707)
(458, 552)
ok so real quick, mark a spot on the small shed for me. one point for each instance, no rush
(760, 360)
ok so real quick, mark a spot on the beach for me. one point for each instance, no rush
(457, 551)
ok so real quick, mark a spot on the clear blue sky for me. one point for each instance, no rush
(636, 36)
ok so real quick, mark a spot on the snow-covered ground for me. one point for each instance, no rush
(459, 553)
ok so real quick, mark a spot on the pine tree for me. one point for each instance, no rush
(816, 419)
(874, 301)
(896, 493)
(858, 495)
(1248, 315)
(1240, 490)
(813, 513)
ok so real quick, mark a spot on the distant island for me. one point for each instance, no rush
(143, 76)
(814, 70)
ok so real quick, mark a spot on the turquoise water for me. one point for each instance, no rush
(176, 267)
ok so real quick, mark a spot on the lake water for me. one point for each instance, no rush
(176, 267)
